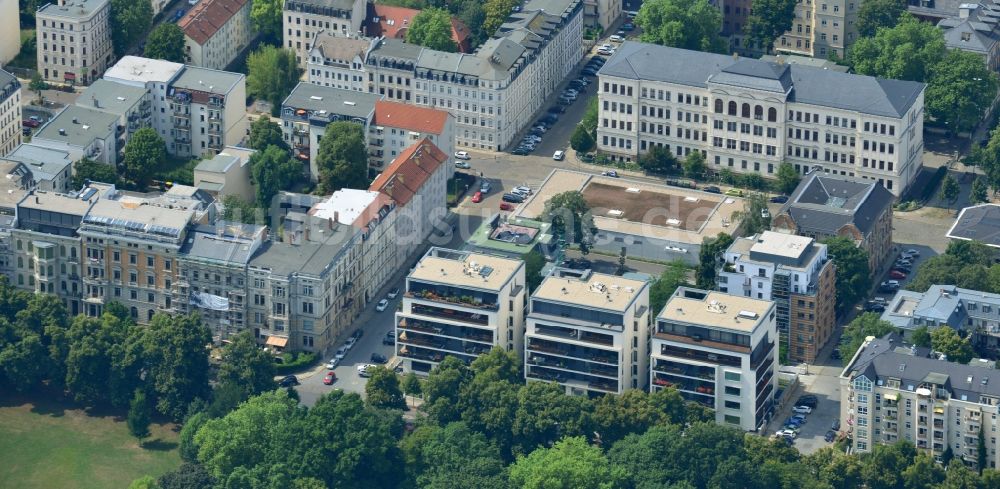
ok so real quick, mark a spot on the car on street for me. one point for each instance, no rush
(606, 52)
(332, 364)
(192, 2)
(288, 381)
(889, 286)
(712, 189)
(555, 109)
(520, 151)
(30, 123)
(559, 155)
(836, 425)
(872, 306)
(350, 342)
(779, 199)
(463, 165)
(903, 268)
(591, 72)
(506, 206)
(179, 15)
(610, 173)
(807, 400)
(616, 38)
(802, 409)
(485, 187)
(513, 198)
(462, 155)
(734, 192)
(378, 358)
(364, 370)
(628, 26)
(35, 118)
(801, 418)
(477, 197)
(829, 436)
(26, 131)
(382, 304)
(390, 338)
(357, 334)
(786, 433)
(896, 274)
(330, 378)
(341, 352)
(393, 293)
(912, 252)
(522, 189)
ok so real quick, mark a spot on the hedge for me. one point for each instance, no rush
(294, 361)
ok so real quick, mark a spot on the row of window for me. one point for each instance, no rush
(745, 109)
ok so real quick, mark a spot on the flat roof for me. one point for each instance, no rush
(219, 163)
(347, 204)
(226, 242)
(206, 80)
(90, 124)
(73, 9)
(641, 209)
(45, 163)
(139, 69)
(137, 211)
(781, 244)
(597, 290)
(53, 202)
(352, 103)
(465, 269)
(111, 96)
(308, 257)
(716, 310)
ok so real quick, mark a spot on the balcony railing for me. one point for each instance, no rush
(464, 301)
(566, 351)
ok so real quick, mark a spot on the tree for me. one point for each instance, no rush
(166, 42)
(590, 117)
(382, 389)
(686, 24)
(923, 472)
(410, 385)
(235, 209)
(863, 326)
(452, 456)
(442, 388)
(876, 14)
(755, 219)
(431, 28)
(921, 337)
(947, 341)
(949, 190)
(907, 51)
(38, 84)
(533, 264)
(138, 416)
(768, 20)
(272, 73)
(788, 178)
(273, 170)
(144, 482)
(853, 275)
(978, 193)
(264, 132)
(93, 171)
(176, 361)
(673, 276)
(960, 90)
(130, 19)
(581, 140)
(658, 160)
(694, 165)
(102, 366)
(246, 365)
(708, 259)
(187, 447)
(265, 15)
(571, 463)
(570, 219)
(144, 152)
(496, 13)
(342, 158)
(546, 414)
(187, 476)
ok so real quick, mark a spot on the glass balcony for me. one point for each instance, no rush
(590, 382)
(554, 362)
(573, 351)
(439, 295)
(449, 314)
(695, 371)
(457, 332)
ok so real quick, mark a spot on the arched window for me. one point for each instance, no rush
(772, 115)
(746, 111)
(758, 113)
(718, 106)
(732, 108)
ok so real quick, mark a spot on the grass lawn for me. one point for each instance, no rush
(177, 170)
(47, 444)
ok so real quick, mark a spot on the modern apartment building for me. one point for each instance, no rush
(821, 28)
(588, 332)
(216, 32)
(890, 392)
(825, 206)
(719, 350)
(228, 173)
(303, 20)
(133, 105)
(10, 112)
(459, 304)
(750, 115)
(10, 30)
(83, 132)
(796, 274)
(74, 40)
(397, 127)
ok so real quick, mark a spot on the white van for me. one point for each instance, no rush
(558, 155)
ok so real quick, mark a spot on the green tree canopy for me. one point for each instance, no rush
(431, 28)
(876, 14)
(273, 170)
(89, 170)
(571, 463)
(570, 219)
(272, 73)
(235, 209)
(708, 259)
(138, 415)
(686, 24)
(921, 337)
(581, 140)
(949, 190)
(342, 157)
(768, 20)
(452, 456)
(382, 389)
(442, 388)
(853, 275)
(533, 264)
(246, 365)
(187, 476)
(166, 42)
(130, 19)
(960, 90)
(907, 51)
(496, 13)
(673, 276)
(947, 341)
(978, 194)
(788, 178)
(694, 165)
(176, 361)
(266, 18)
(265, 132)
(863, 326)
(658, 160)
(144, 153)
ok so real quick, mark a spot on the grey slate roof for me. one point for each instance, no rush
(881, 359)
(980, 223)
(6, 78)
(310, 258)
(235, 246)
(397, 49)
(112, 97)
(808, 85)
(312, 97)
(824, 203)
(44, 163)
(90, 124)
(206, 80)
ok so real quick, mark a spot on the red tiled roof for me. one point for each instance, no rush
(206, 18)
(408, 172)
(394, 21)
(404, 116)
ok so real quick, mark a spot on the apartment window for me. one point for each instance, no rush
(149, 261)
(732, 376)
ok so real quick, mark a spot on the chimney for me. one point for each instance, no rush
(76, 121)
(965, 9)
(96, 103)
(331, 223)
(62, 132)
(336, 217)
(62, 3)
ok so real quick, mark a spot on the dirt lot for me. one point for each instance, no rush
(644, 206)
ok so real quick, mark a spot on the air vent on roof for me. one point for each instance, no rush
(748, 315)
(348, 102)
(315, 97)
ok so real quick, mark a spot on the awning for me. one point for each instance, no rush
(276, 341)
(69, 75)
(892, 396)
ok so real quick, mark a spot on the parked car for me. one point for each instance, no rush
(889, 286)
(902, 268)
(192, 2)
(288, 381)
(332, 364)
(179, 15)
(712, 189)
(779, 199)
(617, 38)
(836, 425)
(912, 252)
(800, 418)
(555, 109)
(898, 275)
(559, 155)
(382, 304)
(390, 338)
(30, 123)
(506, 206)
(606, 52)
(26, 131)
(519, 151)
(357, 334)
(477, 197)
(872, 306)
(350, 342)
(522, 189)
(485, 187)
(378, 358)
(628, 26)
(807, 400)
(802, 409)
(462, 155)
(610, 173)
(394, 293)
(830, 435)
(786, 433)
(463, 165)
(364, 370)
(734, 192)
(586, 72)
(330, 376)
(35, 118)
(341, 352)
(513, 198)
(550, 119)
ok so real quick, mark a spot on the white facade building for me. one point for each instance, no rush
(749, 115)
(74, 40)
(303, 20)
(398, 126)
(338, 62)
(718, 350)
(10, 32)
(216, 32)
(10, 112)
(588, 332)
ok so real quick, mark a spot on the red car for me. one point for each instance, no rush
(506, 206)
(477, 197)
(330, 378)
(29, 123)
(896, 274)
